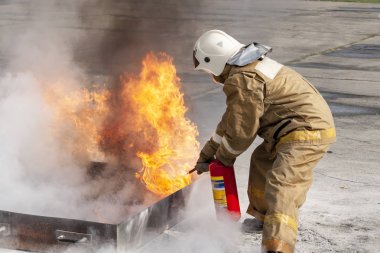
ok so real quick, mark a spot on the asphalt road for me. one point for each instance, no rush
(335, 45)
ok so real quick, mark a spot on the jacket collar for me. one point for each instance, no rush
(231, 70)
(247, 68)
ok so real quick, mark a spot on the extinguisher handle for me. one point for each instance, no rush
(219, 163)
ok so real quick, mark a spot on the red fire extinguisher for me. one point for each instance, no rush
(224, 189)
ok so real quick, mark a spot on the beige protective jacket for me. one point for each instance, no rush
(268, 99)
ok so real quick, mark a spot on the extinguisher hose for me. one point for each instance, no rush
(191, 171)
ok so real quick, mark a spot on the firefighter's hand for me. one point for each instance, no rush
(201, 167)
(208, 152)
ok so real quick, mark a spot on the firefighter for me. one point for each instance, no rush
(267, 99)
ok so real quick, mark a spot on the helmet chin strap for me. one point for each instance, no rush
(223, 76)
(216, 81)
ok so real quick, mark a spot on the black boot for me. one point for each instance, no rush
(251, 225)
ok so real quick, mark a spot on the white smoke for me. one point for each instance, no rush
(39, 176)
(201, 231)
(106, 248)
(34, 171)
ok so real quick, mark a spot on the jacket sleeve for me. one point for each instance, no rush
(220, 129)
(209, 149)
(245, 106)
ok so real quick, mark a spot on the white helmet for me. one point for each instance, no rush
(212, 51)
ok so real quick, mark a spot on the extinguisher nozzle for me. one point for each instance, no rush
(191, 171)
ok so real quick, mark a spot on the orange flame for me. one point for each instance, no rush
(160, 103)
(143, 119)
(79, 115)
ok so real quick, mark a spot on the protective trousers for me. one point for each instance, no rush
(278, 182)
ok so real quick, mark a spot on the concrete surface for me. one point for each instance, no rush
(334, 44)
(318, 39)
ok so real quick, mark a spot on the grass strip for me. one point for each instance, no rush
(354, 1)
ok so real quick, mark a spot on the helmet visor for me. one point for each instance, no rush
(195, 61)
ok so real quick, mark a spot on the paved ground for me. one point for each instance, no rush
(335, 45)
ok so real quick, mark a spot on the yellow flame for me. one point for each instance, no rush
(79, 115)
(158, 99)
(150, 123)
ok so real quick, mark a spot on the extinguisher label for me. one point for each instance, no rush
(219, 191)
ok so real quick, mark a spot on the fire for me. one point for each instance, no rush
(79, 115)
(142, 119)
(159, 101)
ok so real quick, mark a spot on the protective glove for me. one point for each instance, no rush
(206, 156)
(208, 152)
(201, 167)
(225, 158)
